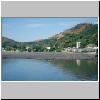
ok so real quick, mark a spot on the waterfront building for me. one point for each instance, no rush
(3, 49)
(48, 48)
(78, 44)
(91, 46)
(27, 48)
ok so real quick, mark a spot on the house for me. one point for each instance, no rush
(3, 49)
(78, 44)
(48, 48)
(90, 46)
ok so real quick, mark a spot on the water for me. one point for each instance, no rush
(49, 70)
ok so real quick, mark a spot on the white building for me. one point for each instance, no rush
(48, 48)
(78, 44)
(3, 49)
(27, 48)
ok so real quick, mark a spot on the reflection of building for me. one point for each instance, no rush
(78, 44)
(78, 62)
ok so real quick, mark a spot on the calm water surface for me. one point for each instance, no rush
(49, 70)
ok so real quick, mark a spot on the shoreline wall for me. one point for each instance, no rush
(49, 55)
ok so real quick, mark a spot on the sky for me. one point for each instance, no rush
(32, 29)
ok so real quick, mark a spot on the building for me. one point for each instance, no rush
(3, 49)
(91, 46)
(28, 48)
(48, 48)
(78, 44)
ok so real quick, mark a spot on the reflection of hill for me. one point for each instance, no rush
(86, 69)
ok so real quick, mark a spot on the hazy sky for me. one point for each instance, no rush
(30, 29)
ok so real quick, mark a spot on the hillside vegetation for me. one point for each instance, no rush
(85, 33)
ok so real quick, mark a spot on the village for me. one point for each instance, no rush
(89, 49)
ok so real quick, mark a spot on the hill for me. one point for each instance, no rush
(8, 42)
(85, 33)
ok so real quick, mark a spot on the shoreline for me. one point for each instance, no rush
(49, 55)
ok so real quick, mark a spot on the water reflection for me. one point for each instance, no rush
(49, 70)
(88, 69)
(78, 62)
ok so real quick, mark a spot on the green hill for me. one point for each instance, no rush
(8, 42)
(85, 33)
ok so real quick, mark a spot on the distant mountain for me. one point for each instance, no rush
(86, 33)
